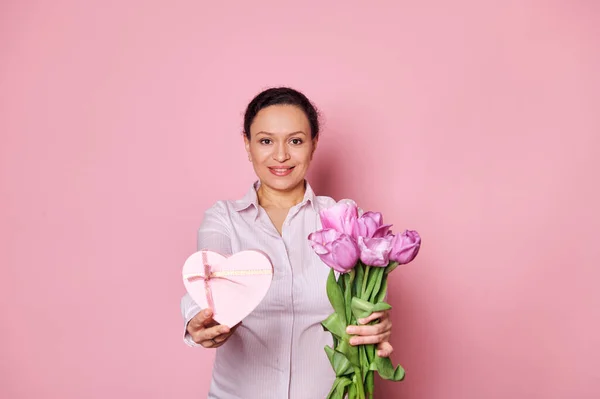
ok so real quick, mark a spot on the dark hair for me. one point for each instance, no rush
(282, 96)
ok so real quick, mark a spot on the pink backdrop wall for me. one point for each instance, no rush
(479, 125)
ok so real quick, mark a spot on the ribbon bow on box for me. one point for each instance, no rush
(231, 286)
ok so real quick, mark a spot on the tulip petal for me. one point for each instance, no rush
(370, 225)
(405, 247)
(375, 251)
(382, 231)
(340, 217)
(338, 251)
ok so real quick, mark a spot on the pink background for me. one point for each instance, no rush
(478, 125)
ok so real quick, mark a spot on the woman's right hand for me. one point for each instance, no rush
(207, 332)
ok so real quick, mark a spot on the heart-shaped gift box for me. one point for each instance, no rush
(232, 286)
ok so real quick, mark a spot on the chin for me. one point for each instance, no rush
(282, 183)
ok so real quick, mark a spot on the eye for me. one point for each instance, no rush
(296, 141)
(265, 141)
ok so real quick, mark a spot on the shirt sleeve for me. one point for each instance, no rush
(214, 234)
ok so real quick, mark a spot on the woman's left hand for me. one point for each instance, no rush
(378, 334)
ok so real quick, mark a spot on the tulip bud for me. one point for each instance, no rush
(337, 250)
(340, 217)
(370, 225)
(375, 251)
(405, 247)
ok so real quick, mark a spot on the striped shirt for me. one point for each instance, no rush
(278, 350)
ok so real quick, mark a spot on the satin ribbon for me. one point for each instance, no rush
(209, 275)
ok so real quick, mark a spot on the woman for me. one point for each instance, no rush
(277, 351)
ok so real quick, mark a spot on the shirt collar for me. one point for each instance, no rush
(251, 198)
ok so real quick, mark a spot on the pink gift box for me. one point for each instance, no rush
(231, 286)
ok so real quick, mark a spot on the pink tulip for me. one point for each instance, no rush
(370, 225)
(405, 246)
(375, 251)
(337, 250)
(340, 217)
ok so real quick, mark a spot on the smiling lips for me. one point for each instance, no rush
(281, 170)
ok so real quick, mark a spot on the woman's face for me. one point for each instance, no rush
(280, 146)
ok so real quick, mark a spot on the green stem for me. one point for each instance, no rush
(359, 383)
(365, 281)
(348, 279)
(370, 383)
(352, 394)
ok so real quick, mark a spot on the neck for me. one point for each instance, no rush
(270, 198)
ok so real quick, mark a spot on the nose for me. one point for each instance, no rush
(281, 153)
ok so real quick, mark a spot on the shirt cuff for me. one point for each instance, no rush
(190, 313)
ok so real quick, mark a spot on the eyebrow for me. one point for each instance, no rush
(272, 134)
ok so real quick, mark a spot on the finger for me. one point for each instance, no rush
(208, 318)
(214, 332)
(371, 329)
(364, 330)
(224, 337)
(231, 331)
(212, 343)
(372, 316)
(369, 339)
(384, 349)
(203, 319)
(221, 338)
(206, 334)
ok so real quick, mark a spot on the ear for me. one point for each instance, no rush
(315, 142)
(246, 143)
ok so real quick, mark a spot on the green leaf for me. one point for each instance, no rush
(350, 351)
(338, 388)
(335, 325)
(336, 297)
(383, 365)
(362, 308)
(339, 362)
(336, 382)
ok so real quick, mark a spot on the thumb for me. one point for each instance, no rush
(384, 349)
(204, 318)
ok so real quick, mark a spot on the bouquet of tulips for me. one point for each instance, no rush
(364, 252)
